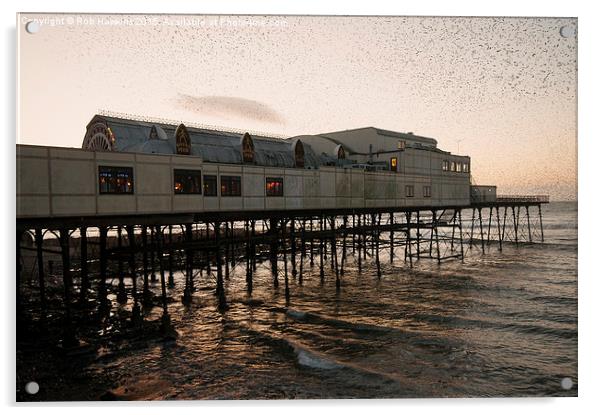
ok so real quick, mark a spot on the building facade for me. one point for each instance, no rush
(141, 167)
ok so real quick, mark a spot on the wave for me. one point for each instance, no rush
(305, 355)
(312, 317)
(553, 299)
(310, 358)
(562, 226)
(454, 321)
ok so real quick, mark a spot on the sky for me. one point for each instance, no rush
(501, 90)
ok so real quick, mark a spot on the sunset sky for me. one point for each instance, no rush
(502, 90)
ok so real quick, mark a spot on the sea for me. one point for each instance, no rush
(496, 324)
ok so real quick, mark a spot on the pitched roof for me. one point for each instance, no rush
(211, 145)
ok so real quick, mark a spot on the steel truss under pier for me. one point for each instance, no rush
(88, 253)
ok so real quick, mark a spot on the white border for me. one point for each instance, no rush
(589, 147)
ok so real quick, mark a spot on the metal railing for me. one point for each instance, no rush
(523, 198)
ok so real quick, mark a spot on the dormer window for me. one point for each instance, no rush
(247, 149)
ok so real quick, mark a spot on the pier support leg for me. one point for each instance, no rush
(334, 254)
(187, 297)
(41, 279)
(253, 248)
(311, 242)
(364, 238)
(136, 315)
(515, 223)
(408, 250)
(359, 244)
(504, 223)
(461, 234)
(220, 291)
(391, 237)
(481, 229)
(160, 245)
(540, 222)
(287, 294)
(332, 244)
(274, 250)
(321, 248)
(453, 235)
(146, 294)
(232, 247)
(153, 276)
(84, 279)
(418, 236)
(69, 339)
(376, 228)
(436, 231)
(499, 228)
(104, 305)
(344, 253)
(472, 229)
(489, 226)
(121, 294)
(249, 261)
(529, 224)
(170, 257)
(353, 235)
(293, 249)
(227, 235)
(303, 252)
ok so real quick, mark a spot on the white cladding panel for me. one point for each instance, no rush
(253, 183)
(74, 205)
(293, 185)
(153, 179)
(327, 182)
(111, 204)
(187, 203)
(32, 206)
(32, 176)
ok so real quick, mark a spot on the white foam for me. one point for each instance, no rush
(296, 314)
(307, 358)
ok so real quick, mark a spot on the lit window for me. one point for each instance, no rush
(409, 191)
(401, 145)
(230, 185)
(426, 191)
(187, 181)
(393, 163)
(274, 186)
(115, 180)
(453, 166)
(465, 168)
(210, 185)
(445, 165)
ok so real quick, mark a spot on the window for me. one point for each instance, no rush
(401, 145)
(187, 181)
(409, 191)
(426, 191)
(465, 168)
(393, 163)
(445, 165)
(274, 186)
(230, 185)
(453, 166)
(210, 185)
(115, 180)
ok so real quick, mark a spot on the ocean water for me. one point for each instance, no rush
(496, 324)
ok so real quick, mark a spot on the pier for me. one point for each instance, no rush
(84, 254)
